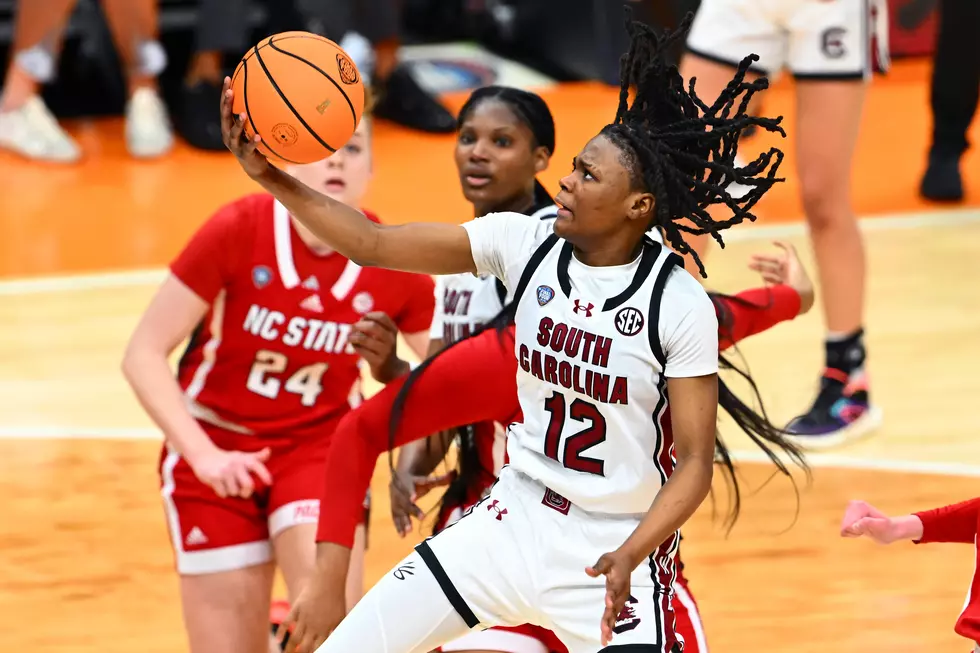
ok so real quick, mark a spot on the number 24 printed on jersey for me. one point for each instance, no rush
(265, 378)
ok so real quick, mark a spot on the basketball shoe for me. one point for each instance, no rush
(841, 413)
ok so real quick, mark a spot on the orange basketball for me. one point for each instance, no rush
(301, 93)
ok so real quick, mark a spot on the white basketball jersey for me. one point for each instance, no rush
(465, 302)
(592, 346)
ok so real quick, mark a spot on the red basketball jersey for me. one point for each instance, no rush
(272, 357)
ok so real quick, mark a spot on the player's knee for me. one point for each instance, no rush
(825, 203)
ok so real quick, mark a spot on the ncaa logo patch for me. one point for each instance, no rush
(629, 321)
(261, 276)
(545, 295)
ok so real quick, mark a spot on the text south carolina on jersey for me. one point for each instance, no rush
(574, 343)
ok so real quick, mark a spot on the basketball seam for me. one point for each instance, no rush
(350, 104)
(312, 37)
(251, 52)
(248, 114)
(286, 101)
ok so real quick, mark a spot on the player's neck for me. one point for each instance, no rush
(617, 252)
(522, 203)
(313, 243)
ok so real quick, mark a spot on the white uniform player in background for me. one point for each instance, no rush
(578, 534)
(465, 302)
(831, 47)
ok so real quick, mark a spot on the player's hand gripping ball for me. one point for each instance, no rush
(301, 93)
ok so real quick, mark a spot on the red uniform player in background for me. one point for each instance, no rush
(959, 522)
(278, 325)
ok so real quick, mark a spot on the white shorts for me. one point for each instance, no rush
(519, 556)
(813, 39)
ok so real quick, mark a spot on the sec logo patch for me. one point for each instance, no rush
(629, 321)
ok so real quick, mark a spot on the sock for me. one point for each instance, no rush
(845, 353)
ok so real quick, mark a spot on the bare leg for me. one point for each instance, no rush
(134, 29)
(228, 612)
(40, 24)
(829, 117)
(26, 125)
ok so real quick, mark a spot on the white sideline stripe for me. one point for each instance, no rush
(126, 279)
(817, 460)
(152, 277)
(75, 433)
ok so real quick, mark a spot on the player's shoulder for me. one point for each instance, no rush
(682, 291)
(520, 228)
(250, 210)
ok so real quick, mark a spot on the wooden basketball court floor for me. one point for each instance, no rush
(85, 564)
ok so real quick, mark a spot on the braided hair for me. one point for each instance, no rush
(680, 149)
(530, 109)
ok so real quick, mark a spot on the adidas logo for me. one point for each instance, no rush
(312, 303)
(311, 283)
(196, 537)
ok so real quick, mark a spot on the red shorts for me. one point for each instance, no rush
(211, 534)
(687, 619)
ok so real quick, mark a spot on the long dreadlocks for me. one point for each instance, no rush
(681, 150)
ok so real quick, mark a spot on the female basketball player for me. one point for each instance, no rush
(827, 45)
(593, 346)
(277, 324)
(480, 453)
(956, 523)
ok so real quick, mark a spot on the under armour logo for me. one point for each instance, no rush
(404, 570)
(500, 511)
(586, 308)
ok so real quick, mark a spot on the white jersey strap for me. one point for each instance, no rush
(532, 266)
(667, 265)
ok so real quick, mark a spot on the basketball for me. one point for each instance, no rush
(301, 93)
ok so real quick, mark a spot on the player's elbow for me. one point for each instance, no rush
(700, 469)
(134, 360)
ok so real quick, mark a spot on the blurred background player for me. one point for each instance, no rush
(369, 30)
(28, 128)
(955, 91)
(277, 325)
(831, 48)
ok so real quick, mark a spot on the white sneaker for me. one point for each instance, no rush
(33, 132)
(148, 132)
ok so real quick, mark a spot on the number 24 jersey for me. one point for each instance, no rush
(272, 357)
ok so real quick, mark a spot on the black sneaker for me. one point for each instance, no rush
(842, 412)
(199, 123)
(942, 181)
(402, 101)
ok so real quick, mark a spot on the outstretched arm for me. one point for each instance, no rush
(431, 248)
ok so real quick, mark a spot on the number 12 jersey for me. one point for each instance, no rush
(594, 348)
